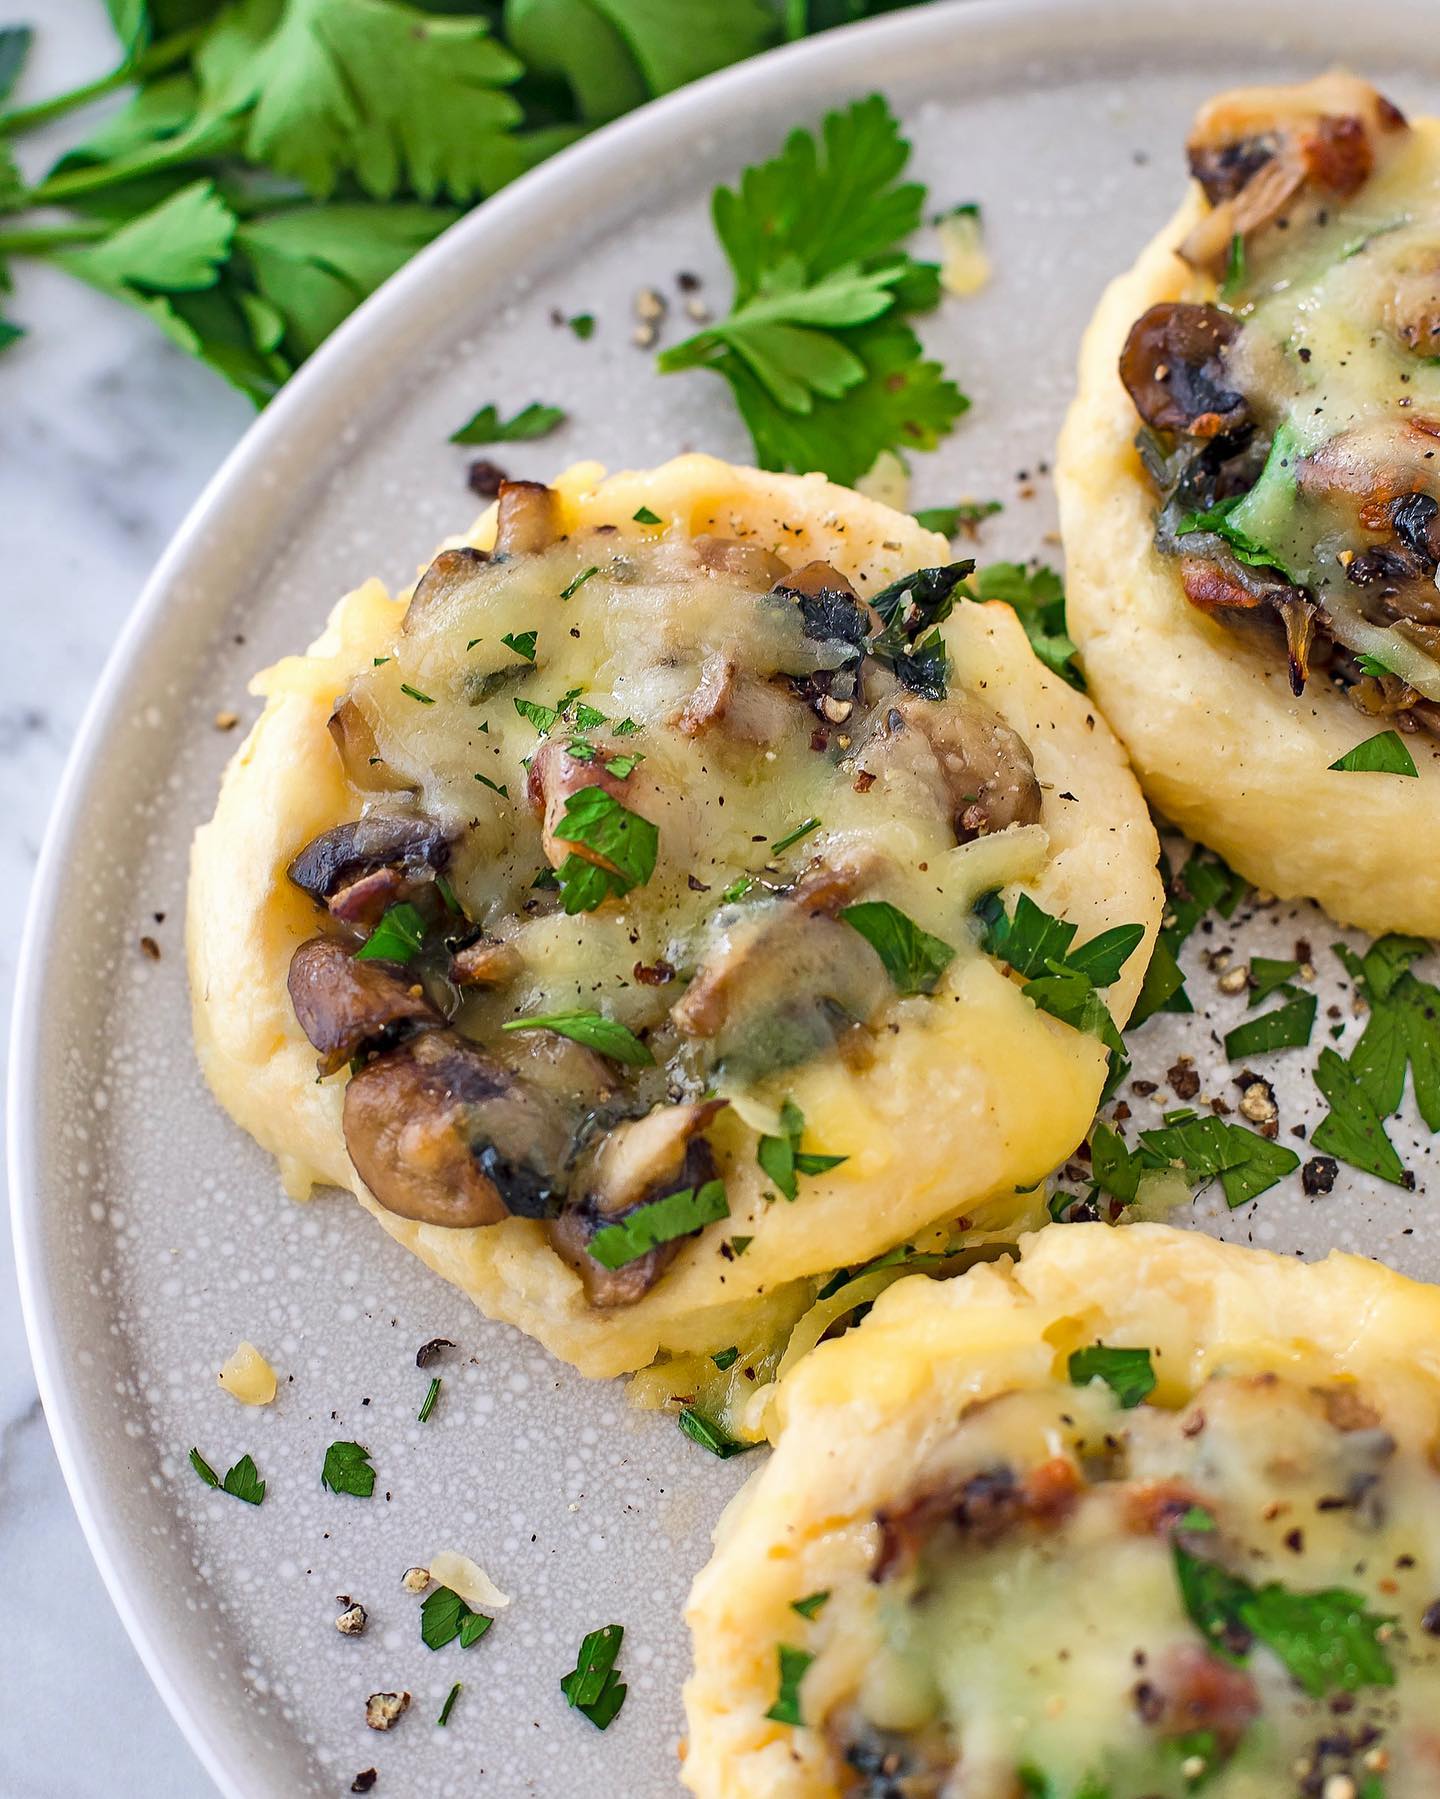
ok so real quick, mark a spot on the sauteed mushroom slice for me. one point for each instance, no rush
(745, 561)
(556, 773)
(354, 737)
(983, 769)
(635, 1164)
(450, 573)
(348, 1008)
(411, 849)
(443, 1133)
(1173, 367)
(527, 518)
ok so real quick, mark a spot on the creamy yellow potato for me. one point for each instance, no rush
(701, 700)
(1251, 563)
(1143, 1514)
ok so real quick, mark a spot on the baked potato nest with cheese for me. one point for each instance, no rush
(960, 1569)
(940, 1104)
(1242, 642)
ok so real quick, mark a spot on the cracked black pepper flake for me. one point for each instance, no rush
(1318, 1174)
(483, 478)
(431, 1351)
(364, 1780)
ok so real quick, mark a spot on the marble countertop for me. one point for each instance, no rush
(107, 434)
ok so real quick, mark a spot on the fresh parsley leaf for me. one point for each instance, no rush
(1246, 1163)
(606, 1035)
(1267, 975)
(427, 1405)
(568, 592)
(659, 1221)
(544, 718)
(1353, 1130)
(1373, 666)
(15, 41)
(709, 1435)
(1204, 883)
(913, 959)
(625, 844)
(622, 767)
(782, 1158)
(522, 642)
(347, 1470)
(594, 1686)
(1030, 941)
(966, 517)
(1101, 958)
(499, 787)
(241, 1481)
(737, 889)
(445, 1616)
(626, 728)
(810, 1607)
(1073, 998)
(1127, 1372)
(1234, 268)
(397, 938)
(1287, 1026)
(793, 1663)
(824, 370)
(583, 325)
(1064, 982)
(370, 88)
(646, 517)
(1383, 754)
(1037, 597)
(1403, 1027)
(781, 844)
(414, 693)
(487, 427)
(449, 1705)
(725, 1358)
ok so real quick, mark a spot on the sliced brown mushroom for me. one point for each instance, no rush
(1235, 593)
(746, 562)
(414, 848)
(1173, 367)
(980, 768)
(349, 1008)
(443, 1133)
(556, 774)
(527, 518)
(633, 1165)
(354, 737)
(485, 963)
(1254, 149)
(746, 707)
(452, 573)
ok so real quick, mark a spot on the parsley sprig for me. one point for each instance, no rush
(241, 1481)
(782, 1158)
(817, 346)
(594, 1685)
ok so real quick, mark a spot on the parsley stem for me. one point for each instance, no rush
(40, 238)
(159, 56)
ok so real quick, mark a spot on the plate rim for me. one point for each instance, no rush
(219, 1741)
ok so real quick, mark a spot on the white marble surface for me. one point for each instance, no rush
(106, 436)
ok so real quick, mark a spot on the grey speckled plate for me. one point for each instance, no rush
(153, 1236)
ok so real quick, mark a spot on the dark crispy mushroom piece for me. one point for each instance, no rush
(1228, 589)
(527, 518)
(1173, 367)
(443, 1133)
(983, 768)
(354, 737)
(415, 847)
(633, 1165)
(349, 1008)
(451, 573)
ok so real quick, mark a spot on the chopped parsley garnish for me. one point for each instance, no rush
(913, 959)
(737, 889)
(568, 593)
(1037, 597)
(544, 718)
(487, 427)
(397, 938)
(782, 1158)
(522, 642)
(1373, 666)
(1234, 268)
(738, 1245)
(825, 369)
(626, 728)
(449, 1705)
(622, 767)
(625, 842)
(725, 1358)
(583, 325)
(646, 517)
(1204, 883)
(1327, 1641)
(1062, 981)
(242, 1481)
(585, 718)
(948, 520)
(793, 1663)
(810, 1606)
(1353, 1130)
(415, 694)
(594, 1686)
(709, 1435)
(659, 1221)
(1127, 1372)
(445, 1616)
(380, 661)
(606, 1035)
(1202, 1148)
(1267, 975)
(1383, 754)
(427, 1405)
(499, 787)
(781, 844)
(347, 1470)
(1287, 1026)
